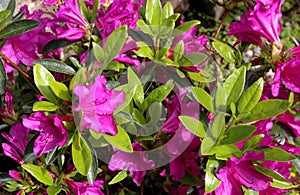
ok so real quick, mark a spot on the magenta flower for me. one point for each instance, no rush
(119, 13)
(52, 131)
(135, 162)
(75, 24)
(27, 47)
(262, 21)
(18, 141)
(238, 172)
(97, 105)
(83, 188)
(50, 2)
(186, 162)
(15, 174)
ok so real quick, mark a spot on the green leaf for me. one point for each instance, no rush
(234, 85)
(192, 59)
(79, 78)
(140, 36)
(211, 181)
(135, 83)
(200, 77)
(224, 152)
(145, 28)
(278, 154)
(178, 51)
(95, 9)
(253, 142)
(220, 99)
(18, 27)
(157, 95)
(98, 52)
(119, 177)
(225, 50)
(81, 154)
(237, 133)
(44, 106)
(120, 141)
(92, 173)
(56, 44)
(114, 44)
(42, 79)
(251, 97)
(191, 180)
(153, 12)
(4, 18)
(203, 98)
(278, 180)
(129, 93)
(54, 190)
(60, 90)
(40, 173)
(84, 10)
(267, 109)
(167, 10)
(185, 27)
(207, 145)
(144, 51)
(55, 66)
(194, 125)
(2, 78)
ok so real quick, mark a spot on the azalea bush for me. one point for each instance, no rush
(125, 97)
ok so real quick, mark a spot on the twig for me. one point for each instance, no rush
(28, 79)
(222, 22)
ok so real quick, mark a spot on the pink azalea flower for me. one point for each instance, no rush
(186, 162)
(75, 24)
(16, 49)
(52, 131)
(50, 2)
(119, 13)
(83, 188)
(18, 141)
(15, 174)
(133, 161)
(238, 172)
(97, 105)
(262, 21)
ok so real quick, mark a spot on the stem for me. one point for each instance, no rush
(222, 22)
(28, 79)
(106, 188)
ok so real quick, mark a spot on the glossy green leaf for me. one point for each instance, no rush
(157, 95)
(192, 59)
(84, 10)
(144, 51)
(253, 142)
(60, 90)
(237, 133)
(267, 109)
(251, 96)
(129, 93)
(4, 18)
(191, 180)
(120, 141)
(224, 152)
(234, 85)
(134, 81)
(93, 171)
(225, 50)
(145, 28)
(2, 78)
(203, 98)
(278, 154)
(55, 66)
(140, 36)
(81, 154)
(185, 27)
(207, 145)
(44, 106)
(220, 99)
(153, 12)
(178, 51)
(79, 78)
(54, 190)
(119, 177)
(40, 173)
(278, 180)
(42, 79)
(199, 77)
(194, 125)
(18, 27)
(217, 127)
(55, 44)
(211, 181)
(114, 44)
(98, 53)
(167, 10)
